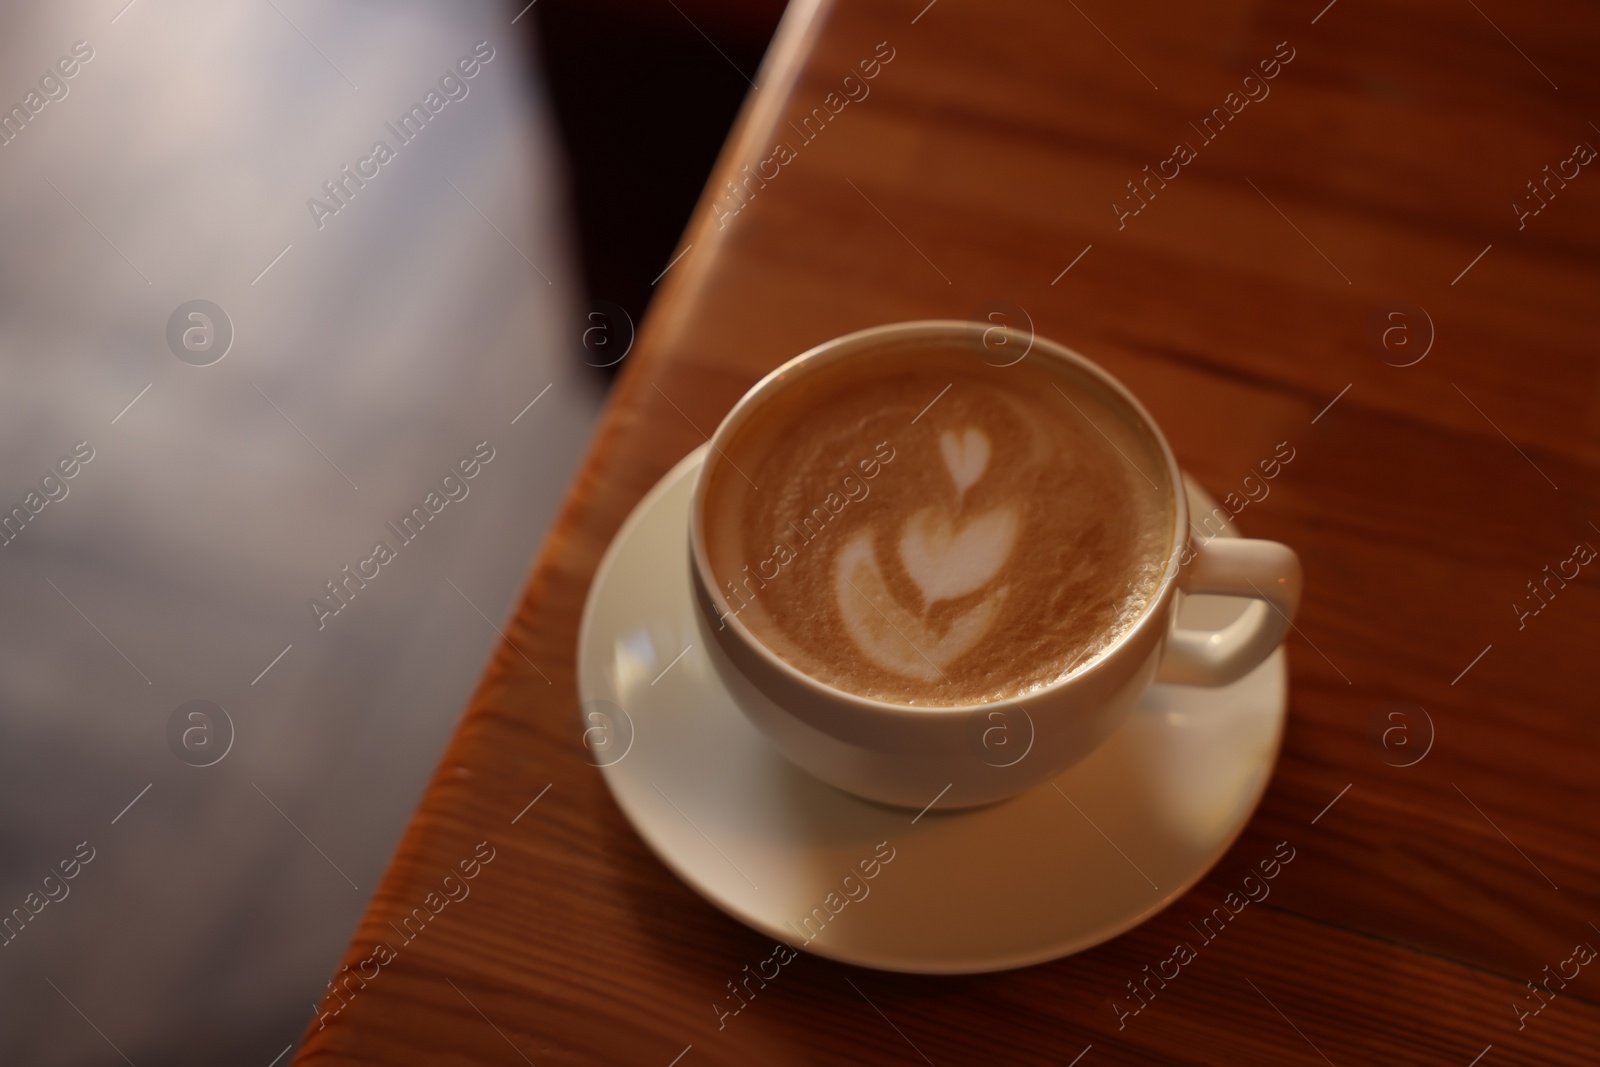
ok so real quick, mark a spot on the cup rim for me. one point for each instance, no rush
(830, 351)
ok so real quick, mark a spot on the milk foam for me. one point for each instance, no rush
(1021, 527)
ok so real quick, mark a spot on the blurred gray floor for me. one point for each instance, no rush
(369, 356)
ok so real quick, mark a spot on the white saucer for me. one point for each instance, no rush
(1054, 871)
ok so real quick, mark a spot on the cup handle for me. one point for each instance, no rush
(1266, 572)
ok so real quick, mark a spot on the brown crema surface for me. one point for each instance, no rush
(973, 551)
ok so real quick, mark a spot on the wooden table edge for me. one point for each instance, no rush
(578, 520)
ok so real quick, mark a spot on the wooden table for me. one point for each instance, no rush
(1246, 304)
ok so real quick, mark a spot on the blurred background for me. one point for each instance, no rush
(258, 343)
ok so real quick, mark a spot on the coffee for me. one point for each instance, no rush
(921, 527)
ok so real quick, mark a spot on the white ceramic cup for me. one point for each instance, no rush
(907, 755)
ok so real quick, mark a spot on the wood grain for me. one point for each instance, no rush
(1237, 304)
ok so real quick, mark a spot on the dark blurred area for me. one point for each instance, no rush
(644, 93)
(358, 336)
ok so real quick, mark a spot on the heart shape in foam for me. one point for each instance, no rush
(965, 455)
(947, 562)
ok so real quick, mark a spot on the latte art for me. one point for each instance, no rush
(1020, 529)
(943, 562)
